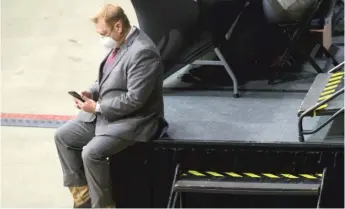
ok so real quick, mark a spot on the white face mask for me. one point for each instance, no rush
(108, 42)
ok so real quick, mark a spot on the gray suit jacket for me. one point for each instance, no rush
(130, 93)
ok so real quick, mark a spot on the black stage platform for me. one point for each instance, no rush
(214, 135)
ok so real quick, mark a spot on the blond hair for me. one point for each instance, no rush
(111, 14)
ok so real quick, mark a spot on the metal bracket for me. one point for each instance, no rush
(222, 62)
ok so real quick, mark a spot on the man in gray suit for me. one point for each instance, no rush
(123, 107)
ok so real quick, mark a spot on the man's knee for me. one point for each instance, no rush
(65, 135)
(89, 155)
(61, 134)
(74, 134)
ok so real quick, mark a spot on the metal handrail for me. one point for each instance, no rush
(336, 67)
(173, 196)
(321, 191)
(301, 132)
(335, 115)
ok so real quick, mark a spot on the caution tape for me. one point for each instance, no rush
(333, 83)
(194, 173)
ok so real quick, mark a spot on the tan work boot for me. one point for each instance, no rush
(111, 206)
(81, 197)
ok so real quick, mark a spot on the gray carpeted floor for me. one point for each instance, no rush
(256, 116)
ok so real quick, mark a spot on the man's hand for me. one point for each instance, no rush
(88, 106)
(78, 103)
(87, 94)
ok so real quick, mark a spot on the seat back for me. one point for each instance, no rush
(218, 16)
(326, 9)
(167, 22)
(324, 14)
(174, 25)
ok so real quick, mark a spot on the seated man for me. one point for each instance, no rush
(124, 106)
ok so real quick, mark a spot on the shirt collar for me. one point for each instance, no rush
(130, 32)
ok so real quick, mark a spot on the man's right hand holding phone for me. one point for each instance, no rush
(87, 94)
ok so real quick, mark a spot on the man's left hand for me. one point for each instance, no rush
(88, 106)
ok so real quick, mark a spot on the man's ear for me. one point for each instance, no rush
(118, 27)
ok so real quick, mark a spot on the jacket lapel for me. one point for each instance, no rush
(100, 70)
(118, 57)
(122, 51)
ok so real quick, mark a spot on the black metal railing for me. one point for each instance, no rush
(302, 132)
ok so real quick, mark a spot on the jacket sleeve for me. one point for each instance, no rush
(141, 79)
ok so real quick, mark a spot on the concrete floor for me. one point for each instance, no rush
(48, 48)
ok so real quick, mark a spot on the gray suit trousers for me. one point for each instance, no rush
(84, 159)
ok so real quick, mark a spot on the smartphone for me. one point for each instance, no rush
(76, 95)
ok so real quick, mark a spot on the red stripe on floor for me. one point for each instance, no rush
(35, 116)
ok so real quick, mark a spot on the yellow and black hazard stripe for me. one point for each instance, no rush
(329, 89)
(194, 173)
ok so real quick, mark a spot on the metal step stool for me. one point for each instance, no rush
(324, 98)
(242, 183)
